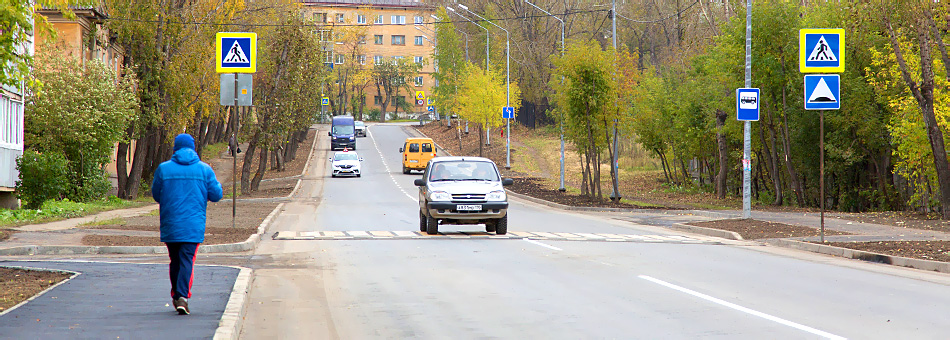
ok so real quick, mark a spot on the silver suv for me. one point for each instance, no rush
(462, 190)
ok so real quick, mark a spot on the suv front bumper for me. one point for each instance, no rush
(449, 210)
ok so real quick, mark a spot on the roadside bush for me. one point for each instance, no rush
(373, 115)
(42, 177)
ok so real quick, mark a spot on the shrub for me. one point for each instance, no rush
(42, 177)
(374, 114)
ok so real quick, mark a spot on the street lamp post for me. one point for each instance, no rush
(560, 121)
(486, 55)
(507, 85)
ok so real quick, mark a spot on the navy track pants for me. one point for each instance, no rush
(181, 269)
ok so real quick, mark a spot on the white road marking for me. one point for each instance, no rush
(386, 165)
(542, 244)
(743, 309)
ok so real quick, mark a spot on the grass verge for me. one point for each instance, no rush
(60, 210)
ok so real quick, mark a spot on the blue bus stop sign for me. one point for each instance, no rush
(747, 104)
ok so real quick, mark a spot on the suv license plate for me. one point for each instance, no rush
(473, 207)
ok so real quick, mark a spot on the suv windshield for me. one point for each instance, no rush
(347, 156)
(463, 171)
(342, 129)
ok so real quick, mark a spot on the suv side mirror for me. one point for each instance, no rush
(507, 181)
(329, 133)
(419, 182)
(401, 150)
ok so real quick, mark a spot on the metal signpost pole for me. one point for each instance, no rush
(747, 134)
(821, 145)
(234, 159)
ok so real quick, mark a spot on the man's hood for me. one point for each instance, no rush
(185, 156)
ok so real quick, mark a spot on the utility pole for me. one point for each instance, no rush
(613, 159)
(747, 134)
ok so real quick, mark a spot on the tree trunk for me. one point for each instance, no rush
(772, 161)
(261, 169)
(248, 160)
(723, 154)
(924, 94)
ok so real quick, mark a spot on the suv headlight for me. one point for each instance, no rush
(439, 196)
(498, 195)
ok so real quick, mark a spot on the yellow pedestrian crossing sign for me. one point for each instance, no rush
(420, 95)
(236, 52)
(821, 50)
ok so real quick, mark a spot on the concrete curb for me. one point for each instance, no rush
(248, 244)
(704, 213)
(730, 235)
(230, 325)
(943, 267)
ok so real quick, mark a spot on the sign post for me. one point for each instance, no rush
(821, 50)
(235, 52)
(508, 113)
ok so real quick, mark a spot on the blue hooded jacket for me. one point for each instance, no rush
(182, 187)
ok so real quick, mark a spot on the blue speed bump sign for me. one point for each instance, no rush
(508, 112)
(822, 92)
(747, 104)
(236, 52)
(431, 108)
(821, 50)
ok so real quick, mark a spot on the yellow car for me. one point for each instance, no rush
(416, 153)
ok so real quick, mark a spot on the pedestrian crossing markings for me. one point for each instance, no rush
(553, 236)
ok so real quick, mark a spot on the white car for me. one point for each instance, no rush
(360, 128)
(346, 163)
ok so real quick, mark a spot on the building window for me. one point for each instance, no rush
(378, 39)
(339, 58)
(361, 39)
(361, 59)
(328, 57)
(396, 59)
(419, 60)
(11, 116)
(377, 59)
(324, 35)
(399, 40)
(320, 17)
(360, 19)
(378, 20)
(397, 20)
(340, 18)
(419, 81)
(418, 40)
(378, 100)
(417, 20)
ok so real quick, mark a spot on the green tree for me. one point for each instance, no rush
(481, 97)
(17, 20)
(392, 75)
(450, 65)
(588, 97)
(79, 111)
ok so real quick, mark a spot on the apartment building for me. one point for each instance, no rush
(87, 39)
(381, 30)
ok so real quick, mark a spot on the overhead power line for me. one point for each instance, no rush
(662, 19)
(521, 17)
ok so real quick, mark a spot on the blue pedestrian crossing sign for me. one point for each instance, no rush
(821, 50)
(747, 104)
(325, 101)
(822, 92)
(508, 112)
(236, 52)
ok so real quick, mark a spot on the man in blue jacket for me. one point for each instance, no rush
(182, 187)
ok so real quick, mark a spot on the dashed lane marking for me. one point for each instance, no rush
(408, 235)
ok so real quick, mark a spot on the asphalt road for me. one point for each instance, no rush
(464, 288)
(119, 301)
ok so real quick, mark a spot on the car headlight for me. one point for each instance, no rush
(498, 195)
(439, 196)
